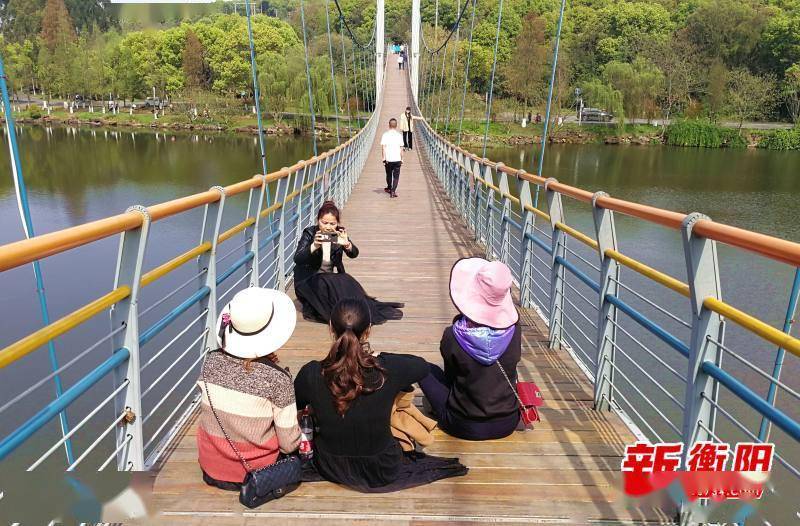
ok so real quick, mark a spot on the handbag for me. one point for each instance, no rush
(529, 397)
(265, 484)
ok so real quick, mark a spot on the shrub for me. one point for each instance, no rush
(781, 140)
(704, 134)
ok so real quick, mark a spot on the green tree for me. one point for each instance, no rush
(641, 85)
(679, 62)
(716, 88)
(524, 73)
(791, 92)
(750, 96)
(603, 95)
(728, 30)
(22, 19)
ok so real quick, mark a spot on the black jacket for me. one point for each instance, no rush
(479, 392)
(308, 264)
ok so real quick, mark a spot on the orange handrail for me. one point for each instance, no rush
(28, 250)
(768, 246)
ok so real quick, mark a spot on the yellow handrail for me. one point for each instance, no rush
(754, 325)
(577, 234)
(656, 275)
(36, 339)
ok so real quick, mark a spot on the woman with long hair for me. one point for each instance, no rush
(351, 393)
(320, 280)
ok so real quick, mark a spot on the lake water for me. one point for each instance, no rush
(78, 175)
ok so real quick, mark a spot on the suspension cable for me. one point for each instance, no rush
(333, 73)
(346, 81)
(450, 34)
(491, 82)
(257, 96)
(349, 32)
(450, 87)
(466, 72)
(356, 85)
(441, 85)
(549, 99)
(308, 80)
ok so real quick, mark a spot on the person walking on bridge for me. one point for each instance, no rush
(401, 60)
(407, 127)
(392, 156)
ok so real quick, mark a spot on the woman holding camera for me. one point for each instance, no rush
(320, 280)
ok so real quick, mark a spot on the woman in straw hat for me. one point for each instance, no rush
(248, 414)
(470, 398)
(352, 392)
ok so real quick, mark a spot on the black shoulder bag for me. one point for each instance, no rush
(268, 483)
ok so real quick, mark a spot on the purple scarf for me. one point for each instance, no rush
(484, 344)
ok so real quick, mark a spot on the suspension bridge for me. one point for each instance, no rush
(613, 371)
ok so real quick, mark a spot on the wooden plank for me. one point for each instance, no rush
(566, 471)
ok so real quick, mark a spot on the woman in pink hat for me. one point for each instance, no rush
(471, 397)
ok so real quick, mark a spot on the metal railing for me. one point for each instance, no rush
(150, 388)
(661, 372)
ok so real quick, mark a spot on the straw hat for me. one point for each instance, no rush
(256, 322)
(481, 291)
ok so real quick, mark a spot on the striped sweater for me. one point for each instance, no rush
(257, 409)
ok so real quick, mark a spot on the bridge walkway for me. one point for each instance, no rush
(566, 471)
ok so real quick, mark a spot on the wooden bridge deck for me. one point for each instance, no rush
(566, 471)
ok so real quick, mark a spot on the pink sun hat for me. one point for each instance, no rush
(481, 291)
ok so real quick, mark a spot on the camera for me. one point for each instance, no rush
(335, 238)
(323, 237)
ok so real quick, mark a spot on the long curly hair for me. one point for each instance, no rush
(349, 357)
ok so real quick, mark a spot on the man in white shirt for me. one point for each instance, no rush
(392, 156)
(400, 61)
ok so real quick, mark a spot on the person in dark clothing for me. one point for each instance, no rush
(320, 280)
(351, 393)
(471, 398)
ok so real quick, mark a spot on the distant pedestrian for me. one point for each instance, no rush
(392, 155)
(400, 61)
(407, 127)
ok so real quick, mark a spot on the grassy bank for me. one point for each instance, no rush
(216, 122)
(700, 133)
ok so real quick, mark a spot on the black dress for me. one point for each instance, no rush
(358, 449)
(319, 292)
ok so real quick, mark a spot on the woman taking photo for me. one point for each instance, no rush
(351, 393)
(320, 280)
(248, 413)
(473, 397)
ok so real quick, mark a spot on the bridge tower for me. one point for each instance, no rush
(380, 47)
(416, 27)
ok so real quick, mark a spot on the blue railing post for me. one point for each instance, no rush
(505, 249)
(212, 219)
(606, 236)
(526, 250)
(254, 206)
(132, 246)
(788, 323)
(556, 211)
(702, 271)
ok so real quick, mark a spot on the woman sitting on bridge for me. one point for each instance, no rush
(471, 398)
(248, 414)
(320, 280)
(352, 392)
